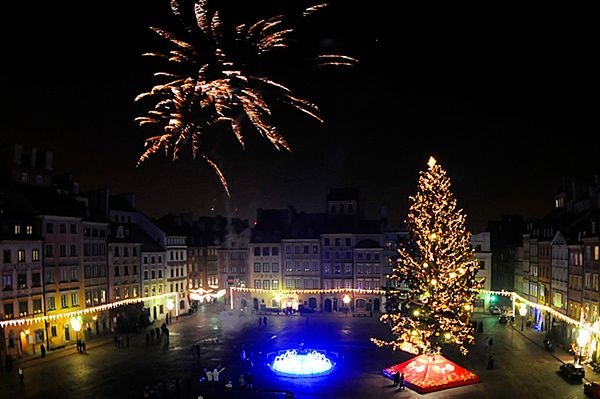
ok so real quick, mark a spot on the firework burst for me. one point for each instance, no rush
(213, 88)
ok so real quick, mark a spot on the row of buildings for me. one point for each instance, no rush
(66, 250)
(556, 262)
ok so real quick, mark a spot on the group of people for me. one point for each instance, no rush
(262, 320)
(80, 348)
(399, 381)
(159, 333)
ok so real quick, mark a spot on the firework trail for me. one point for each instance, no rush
(211, 87)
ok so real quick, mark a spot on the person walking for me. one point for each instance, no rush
(265, 321)
(249, 380)
(21, 375)
(43, 350)
(209, 375)
(242, 381)
(401, 383)
(198, 351)
(259, 321)
(396, 378)
(490, 365)
(83, 350)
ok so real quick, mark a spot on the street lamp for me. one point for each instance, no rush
(76, 323)
(582, 340)
(346, 301)
(522, 312)
(170, 306)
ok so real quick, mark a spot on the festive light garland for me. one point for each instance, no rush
(310, 291)
(68, 315)
(544, 308)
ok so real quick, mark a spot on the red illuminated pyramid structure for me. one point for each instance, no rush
(426, 373)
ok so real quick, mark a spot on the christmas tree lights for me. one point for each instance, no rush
(439, 269)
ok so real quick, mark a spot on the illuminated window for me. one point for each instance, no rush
(21, 255)
(17, 229)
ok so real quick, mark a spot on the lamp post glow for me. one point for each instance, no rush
(346, 301)
(170, 306)
(76, 323)
(582, 340)
(522, 312)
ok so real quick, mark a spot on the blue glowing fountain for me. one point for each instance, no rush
(302, 362)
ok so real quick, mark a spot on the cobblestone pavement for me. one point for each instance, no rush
(523, 368)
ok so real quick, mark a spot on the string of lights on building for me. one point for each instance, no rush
(80, 312)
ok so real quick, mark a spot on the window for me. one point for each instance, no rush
(297, 249)
(73, 228)
(315, 266)
(22, 308)
(49, 276)
(7, 282)
(126, 270)
(126, 251)
(74, 274)
(6, 256)
(266, 268)
(327, 242)
(64, 301)
(348, 242)
(63, 228)
(275, 267)
(17, 229)
(49, 228)
(73, 250)
(36, 280)
(29, 230)
(482, 264)
(50, 302)
(315, 249)
(587, 280)
(306, 249)
(298, 283)
(21, 281)
(159, 273)
(62, 251)
(306, 266)
(596, 252)
(275, 251)
(257, 284)
(74, 299)
(266, 284)
(265, 251)
(21, 255)
(338, 242)
(116, 271)
(288, 249)
(257, 251)
(145, 274)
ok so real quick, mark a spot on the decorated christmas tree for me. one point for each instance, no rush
(438, 266)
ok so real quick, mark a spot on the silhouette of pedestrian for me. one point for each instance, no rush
(21, 374)
(249, 380)
(83, 348)
(259, 321)
(396, 378)
(265, 320)
(43, 350)
(490, 365)
(401, 383)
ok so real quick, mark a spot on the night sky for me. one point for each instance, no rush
(505, 97)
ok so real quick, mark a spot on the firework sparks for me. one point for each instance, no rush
(218, 89)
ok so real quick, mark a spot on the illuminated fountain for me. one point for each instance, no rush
(301, 362)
